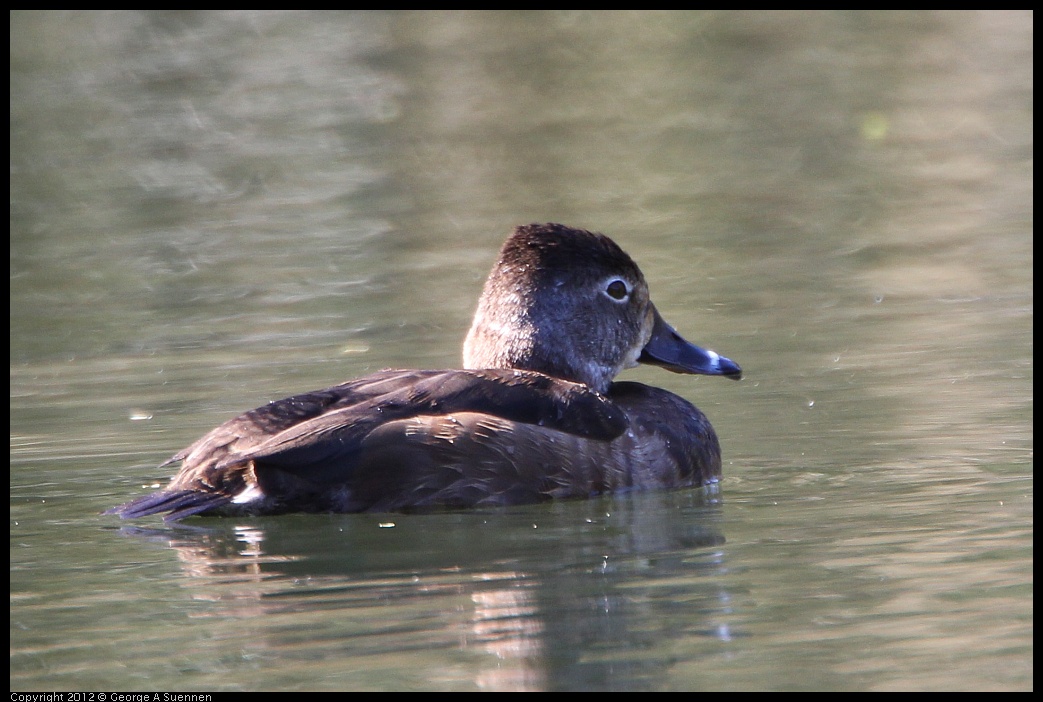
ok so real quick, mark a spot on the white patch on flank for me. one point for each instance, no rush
(248, 495)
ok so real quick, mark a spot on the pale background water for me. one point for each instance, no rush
(213, 210)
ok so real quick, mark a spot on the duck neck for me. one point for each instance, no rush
(519, 347)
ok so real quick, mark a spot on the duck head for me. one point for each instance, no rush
(572, 304)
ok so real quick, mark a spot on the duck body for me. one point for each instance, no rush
(534, 415)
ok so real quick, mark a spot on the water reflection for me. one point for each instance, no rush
(482, 584)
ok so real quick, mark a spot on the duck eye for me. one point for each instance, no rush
(617, 290)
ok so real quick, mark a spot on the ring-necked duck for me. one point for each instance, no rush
(534, 414)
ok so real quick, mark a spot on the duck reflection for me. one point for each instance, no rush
(537, 598)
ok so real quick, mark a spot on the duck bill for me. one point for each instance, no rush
(669, 349)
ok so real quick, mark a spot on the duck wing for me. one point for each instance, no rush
(296, 450)
(321, 441)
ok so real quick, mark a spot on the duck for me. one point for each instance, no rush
(534, 414)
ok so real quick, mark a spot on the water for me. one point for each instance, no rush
(212, 210)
